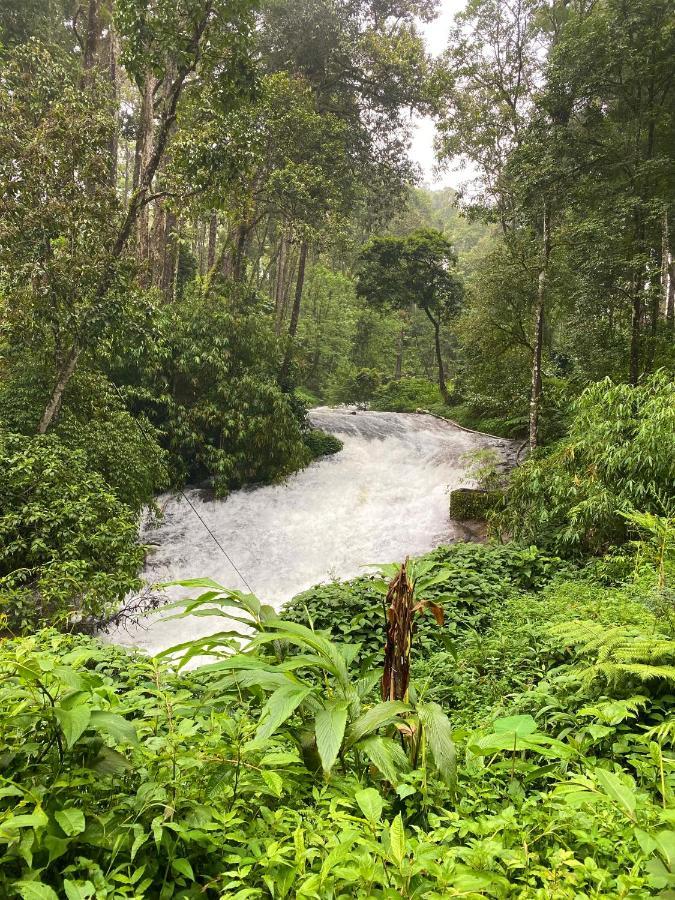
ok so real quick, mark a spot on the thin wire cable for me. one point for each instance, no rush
(189, 502)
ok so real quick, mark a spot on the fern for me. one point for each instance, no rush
(623, 655)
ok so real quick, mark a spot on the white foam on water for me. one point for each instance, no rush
(381, 498)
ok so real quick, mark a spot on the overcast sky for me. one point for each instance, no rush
(422, 150)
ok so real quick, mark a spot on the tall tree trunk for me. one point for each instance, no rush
(634, 368)
(442, 386)
(670, 299)
(295, 316)
(535, 390)
(241, 240)
(137, 203)
(280, 282)
(144, 143)
(113, 73)
(170, 268)
(92, 37)
(667, 276)
(64, 375)
(213, 237)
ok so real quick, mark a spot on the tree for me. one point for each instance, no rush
(71, 264)
(413, 271)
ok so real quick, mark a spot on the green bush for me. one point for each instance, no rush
(321, 443)
(123, 777)
(617, 457)
(68, 546)
(208, 384)
(92, 419)
(406, 395)
(472, 580)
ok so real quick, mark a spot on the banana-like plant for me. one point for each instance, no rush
(317, 683)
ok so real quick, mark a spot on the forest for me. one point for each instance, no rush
(212, 222)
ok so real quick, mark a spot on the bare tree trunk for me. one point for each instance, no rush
(169, 255)
(62, 379)
(295, 316)
(667, 276)
(442, 386)
(239, 257)
(670, 299)
(213, 237)
(92, 38)
(144, 142)
(280, 282)
(535, 391)
(113, 56)
(665, 259)
(634, 369)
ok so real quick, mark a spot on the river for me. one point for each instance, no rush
(382, 497)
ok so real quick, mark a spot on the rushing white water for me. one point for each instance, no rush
(384, 496)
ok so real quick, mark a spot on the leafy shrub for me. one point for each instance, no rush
(470, 581)
(617, 457)
(491, 666)
(406, 395)
(208, 384)
(92, 419)
(485, 467)
(350, 384)
(321, 443)
(121, 777)
(68, 546)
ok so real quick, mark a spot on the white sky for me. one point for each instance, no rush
(422, 149)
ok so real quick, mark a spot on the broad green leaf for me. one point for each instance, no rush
(34, 890)
(397, 840)
(665, 842)
(370, 803)
(329, 727)
(183, 867)
(374, 718)
(614, 787)
(280, 705)
(109, 761)
(75, 891)
(71, 820)
(115, 725)
(37, 819)
(521, 726)
(274, 782)
(387, 756)
(438, 731)
(74, 722)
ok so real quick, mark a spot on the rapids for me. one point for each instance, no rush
(382, 497)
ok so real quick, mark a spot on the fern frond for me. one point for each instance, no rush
(663, 733)
(623, 654)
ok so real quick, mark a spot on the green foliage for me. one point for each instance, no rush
(270, 773)
(123, 449)
(407, 395)
(207, 383)
(485, 468)
(320, 443)
(466, 580)
(68, 546)
(616, 458)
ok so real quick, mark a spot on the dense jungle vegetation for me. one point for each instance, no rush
(209, 222)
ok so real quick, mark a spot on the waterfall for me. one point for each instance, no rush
(382, 497)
